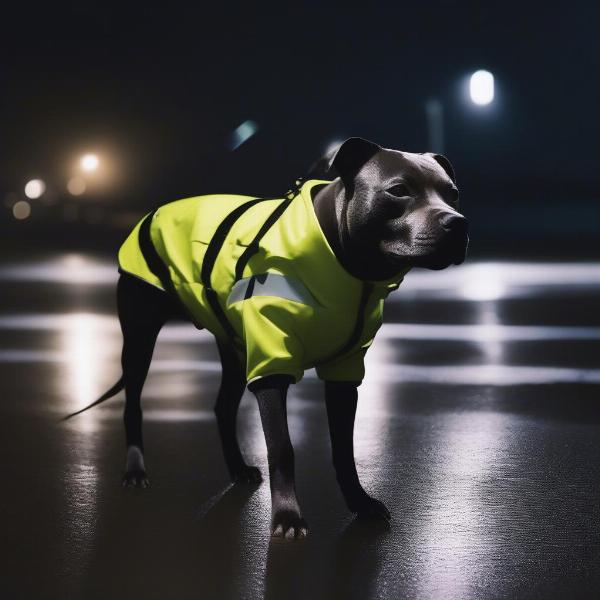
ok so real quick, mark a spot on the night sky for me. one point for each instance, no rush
(160, 88)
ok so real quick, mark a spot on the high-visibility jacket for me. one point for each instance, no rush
(291, 305)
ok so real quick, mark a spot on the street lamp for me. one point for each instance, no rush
(481, 87)
(481, 93)
(89, 162)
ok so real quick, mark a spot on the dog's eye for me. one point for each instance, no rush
(399, 190)
(453, 195)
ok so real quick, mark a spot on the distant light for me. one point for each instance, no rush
(35, 188)
(481, 87)
(76, 186)
(21, 210)
(243, 133)
(89, 162)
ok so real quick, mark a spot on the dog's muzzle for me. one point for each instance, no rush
(455, 238)
(451, 245)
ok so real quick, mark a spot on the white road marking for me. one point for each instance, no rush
(184, 333)
(485, 374)
(472, 281)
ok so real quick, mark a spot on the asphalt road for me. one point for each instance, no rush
(477, 426)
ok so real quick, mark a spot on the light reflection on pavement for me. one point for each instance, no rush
(477, 426)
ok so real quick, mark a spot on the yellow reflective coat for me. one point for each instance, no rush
(294, 307)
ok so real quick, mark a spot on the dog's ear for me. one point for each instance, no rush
(445, 164)
(350, 157)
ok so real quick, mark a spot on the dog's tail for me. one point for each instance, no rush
(113, 391)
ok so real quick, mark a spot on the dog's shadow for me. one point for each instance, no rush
(347, 569)
(221, 529)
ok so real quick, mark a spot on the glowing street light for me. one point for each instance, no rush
(34, 188)
(481, 93)
(481, 87)
(89, 162)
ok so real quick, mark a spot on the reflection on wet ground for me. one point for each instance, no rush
(477, 426)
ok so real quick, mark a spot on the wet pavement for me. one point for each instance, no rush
(477, 426)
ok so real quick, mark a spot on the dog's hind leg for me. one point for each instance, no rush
(233, 383)
(143, 310)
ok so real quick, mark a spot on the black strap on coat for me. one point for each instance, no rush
(253, 246)
(158, 267)
(151, 256)
(208, 263)
(214, 247)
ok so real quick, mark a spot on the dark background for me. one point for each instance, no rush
(478, 421)
(158, 89)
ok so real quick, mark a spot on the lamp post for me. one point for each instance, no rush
(434, 112)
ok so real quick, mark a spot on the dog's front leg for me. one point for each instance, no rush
(341, 399)
(271, 393)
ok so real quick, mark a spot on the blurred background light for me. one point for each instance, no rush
(481, 87)
(21, 210)
(76, 186)
(89, 162)
(34, 188)
(242, 133)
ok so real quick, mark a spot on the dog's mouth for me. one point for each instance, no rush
(431, 253)
(449, 251)
(438, 260)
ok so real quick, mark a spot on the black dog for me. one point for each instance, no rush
(386, 212)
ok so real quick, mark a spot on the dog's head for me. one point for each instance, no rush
(398, 209)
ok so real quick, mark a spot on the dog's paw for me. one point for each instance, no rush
(135, 478)
(289, 524)
(246, 474)
(370, 508)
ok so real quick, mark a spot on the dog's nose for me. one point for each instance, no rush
(456, 236)
(454, 224)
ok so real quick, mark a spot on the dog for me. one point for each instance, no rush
(286, 284)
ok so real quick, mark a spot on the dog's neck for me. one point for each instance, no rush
(328, 216)
(329, 207)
